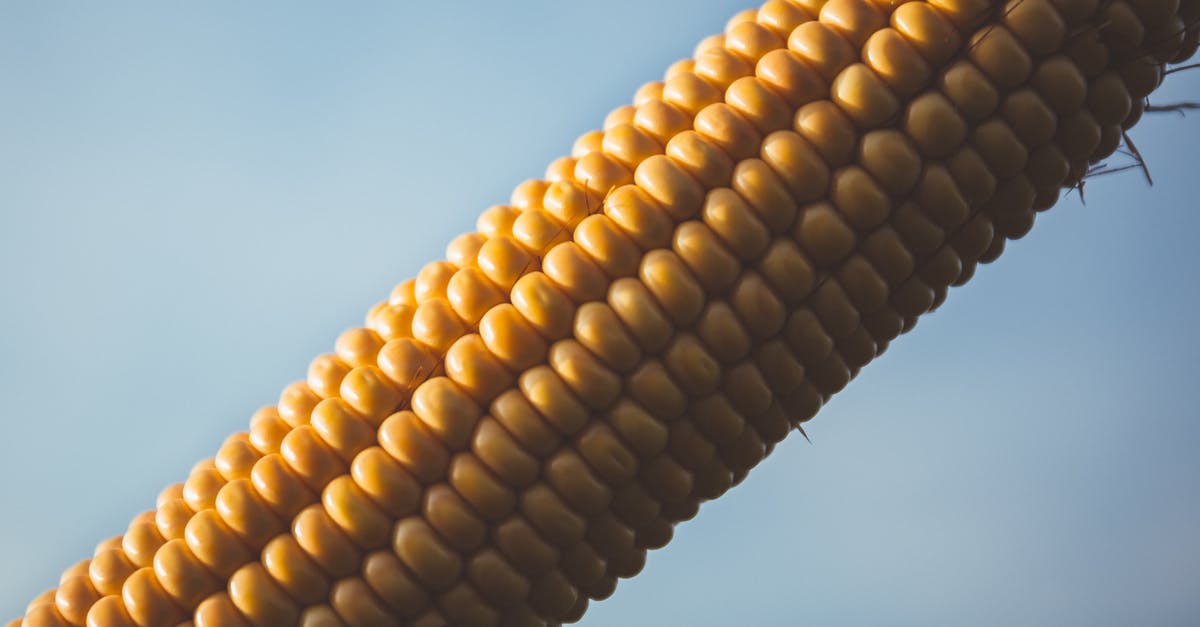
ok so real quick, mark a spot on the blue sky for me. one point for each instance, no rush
(196, 199)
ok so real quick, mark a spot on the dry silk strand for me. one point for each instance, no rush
(515, 427)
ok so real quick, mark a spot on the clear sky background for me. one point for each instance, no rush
(196, 198)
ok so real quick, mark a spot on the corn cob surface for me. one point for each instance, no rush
(562, 514)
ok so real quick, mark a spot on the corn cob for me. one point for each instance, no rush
(516, 426)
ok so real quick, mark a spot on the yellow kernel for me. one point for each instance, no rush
(553, 399)
(523, 547)
(568, 203)
(706, 256)
(599, 329)
(725, 127)
(431, 282)
(723, 333)
(574, 273)
(757, 103)
(599, 173)
(211, 541)
(567, 473)
(472, 366)
(201, 487)
(891, 159)
(607, 245)
(629, 144)
(436, 325)
(503, 261)
(395, 584)
(489, 496)
(758, 184)
(661, 120)
(406, 363)
(824, 234)
(1037, 24)
(751, 41)
(453, 519)
(356, 604)
(858, 197)
(640, 312)
(707, 163)
(932, 35)
(294, 570)
(140, 542)
(182, 575)
(828, 129)
(1004, 153)
(731, 218)
(325, 372)
(553, 519)
(618, 116)
(463, 249)
(245, 512)
(934, 125)
(822, 48)
(368, 391)
(760, 310)
(355, 513)
(896, 62)
(406, 438)
(461, 605)
(592, 382)
(673, 285)
(543, 304)
(496, 448)
(561, 169)
(324, 542)
(280, 486)
(110, 612)
(692, 367)
(1001, 57)
(720, 66)
(404, 293)
(587, 143)
(832, 306)
(648, 91)
(787, 73)
(797, 164)
(780, 16)
(259, 599)
(1029, 118)
(537, 232)
(787, 270)
(471, 294)
(308, 455)
(510, 338)
(385, 481)
(296, 403)
(421, 551)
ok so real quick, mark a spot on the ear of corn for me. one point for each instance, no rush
(628, 337)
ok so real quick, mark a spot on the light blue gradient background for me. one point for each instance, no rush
(196, 198)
